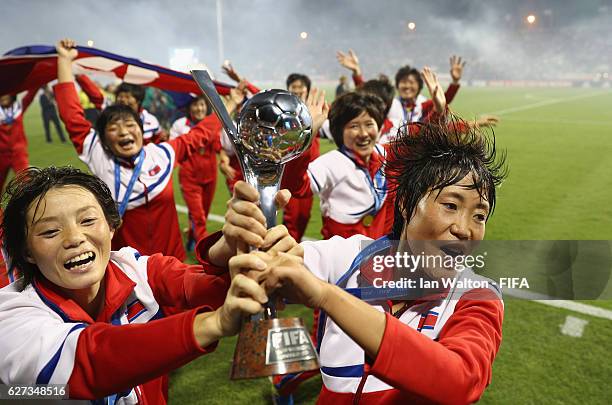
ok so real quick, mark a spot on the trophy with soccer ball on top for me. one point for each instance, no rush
(274, 127)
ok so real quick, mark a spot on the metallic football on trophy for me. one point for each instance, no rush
(274, 127)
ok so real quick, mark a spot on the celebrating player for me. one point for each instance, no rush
(13, 142)
(350, 181)
(139, 176)
(198, 175)
(437, 350)
(110, 324)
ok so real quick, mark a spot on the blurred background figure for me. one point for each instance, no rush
(48, 110)
(342, 87)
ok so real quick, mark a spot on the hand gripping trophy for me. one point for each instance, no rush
(274, 127)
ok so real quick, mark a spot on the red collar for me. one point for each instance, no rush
(118, 288)
(373, 165)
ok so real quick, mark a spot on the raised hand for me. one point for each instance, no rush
(435, 90)
(349, 60)
(456, 68)
(66, 48)
(284, 272)
(229, 70)
(318, 107)
(235, 98)
(245, 297)
(245, 225)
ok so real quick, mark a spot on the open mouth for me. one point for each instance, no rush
(80, 262)
(126, 143)
(364, 143)
(452, 250)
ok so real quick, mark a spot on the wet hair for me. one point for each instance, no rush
(440, 155)
(34, 183)
(111, 114)
(134, 89)
(381, 87)
(294, 77)
(349, 106)
(406, 71)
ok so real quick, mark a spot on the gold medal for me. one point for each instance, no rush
(367, 220)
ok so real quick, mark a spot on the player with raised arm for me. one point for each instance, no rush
(139, 175)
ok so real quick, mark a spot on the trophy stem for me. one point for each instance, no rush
(266, 179)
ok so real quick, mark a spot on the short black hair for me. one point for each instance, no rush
(134, 89)
(294, 77)
(198, 98)
(111, 114)
(381, 87)
(349, 106)
(406, 71)
(24, 189)
(440, 155)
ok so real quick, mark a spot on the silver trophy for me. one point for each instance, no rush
(274, 127)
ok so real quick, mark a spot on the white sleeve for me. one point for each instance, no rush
(329, 259)
(176, 129)
(319, 174)
(37, 346)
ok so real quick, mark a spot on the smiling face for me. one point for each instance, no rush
(123, 136)
(408, 87)
(69, 239)
(454, 216)
(360, 135)
(198, 110)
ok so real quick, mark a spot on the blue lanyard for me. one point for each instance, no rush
(376, 246)
(378, 190)
(130, 186)
(371, 293)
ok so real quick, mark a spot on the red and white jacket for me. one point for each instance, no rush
(435, 352)
(201, 167)
(349, 191)
(12, 134)
(121, 355)
(150, 223)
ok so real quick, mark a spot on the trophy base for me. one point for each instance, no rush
(271, 347)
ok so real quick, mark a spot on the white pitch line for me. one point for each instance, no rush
(560, 121)
(563, 304)
(573, 326)
(544, 103)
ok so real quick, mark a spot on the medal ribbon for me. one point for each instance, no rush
(128, 191)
